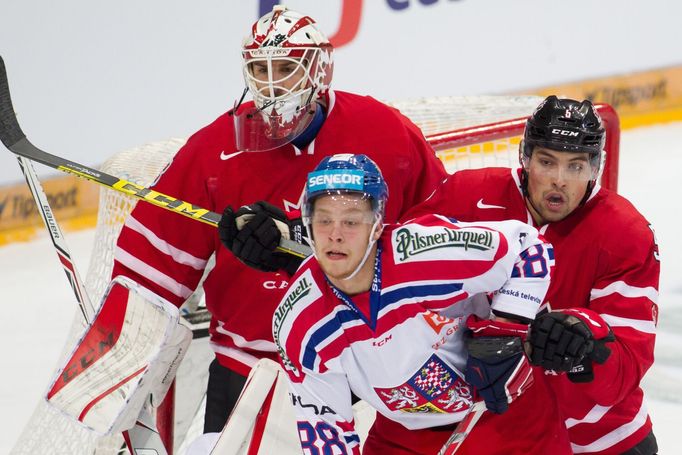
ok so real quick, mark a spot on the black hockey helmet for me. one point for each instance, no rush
(565, 125)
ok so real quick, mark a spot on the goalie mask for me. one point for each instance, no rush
(287, 66)
(345, 174)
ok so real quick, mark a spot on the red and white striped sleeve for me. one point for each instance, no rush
(625, 295)
(161, 250)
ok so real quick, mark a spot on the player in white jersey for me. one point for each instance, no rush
(382, 311)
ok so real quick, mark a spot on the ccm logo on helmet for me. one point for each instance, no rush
(565, 132)
(335, 179)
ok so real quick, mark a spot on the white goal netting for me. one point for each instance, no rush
(473, 146)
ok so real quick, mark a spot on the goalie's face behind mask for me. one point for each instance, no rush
(278, 77)
(341, 225)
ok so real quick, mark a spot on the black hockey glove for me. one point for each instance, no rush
(254, 232)
(497, 367)
(569, 340)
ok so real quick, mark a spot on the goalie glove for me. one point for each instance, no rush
(497, 366)
(254, 232)
(569, 340)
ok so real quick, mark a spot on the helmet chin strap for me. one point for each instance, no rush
(370, 245)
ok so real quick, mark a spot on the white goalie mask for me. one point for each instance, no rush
(287, 66)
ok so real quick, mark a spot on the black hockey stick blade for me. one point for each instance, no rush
(10, 131)
(15, 140)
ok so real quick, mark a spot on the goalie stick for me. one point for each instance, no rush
(16, 141)
(57, 238)
(141, 435)
(463, 429)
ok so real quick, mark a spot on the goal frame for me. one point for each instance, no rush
(514, 127)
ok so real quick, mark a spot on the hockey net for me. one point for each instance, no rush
(466, 132)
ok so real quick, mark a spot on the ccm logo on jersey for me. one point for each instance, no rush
(565, 132)
(383, 341)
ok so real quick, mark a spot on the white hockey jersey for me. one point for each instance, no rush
(399, 346)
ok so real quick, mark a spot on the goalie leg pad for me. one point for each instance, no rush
(264, 421)
(132, 349)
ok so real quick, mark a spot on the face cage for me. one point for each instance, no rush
(272, 95)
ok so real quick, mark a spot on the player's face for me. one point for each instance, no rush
(341, 226)
(286, 75)
(557, 182)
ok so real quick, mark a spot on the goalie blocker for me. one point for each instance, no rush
(130, 351)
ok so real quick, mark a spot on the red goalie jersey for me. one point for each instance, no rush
(168, 253)
(607, 261)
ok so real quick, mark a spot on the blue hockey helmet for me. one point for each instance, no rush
(342, 174)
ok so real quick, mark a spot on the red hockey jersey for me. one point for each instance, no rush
(606, 260)
(168, 253)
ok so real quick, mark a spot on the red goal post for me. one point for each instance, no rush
(462, 139)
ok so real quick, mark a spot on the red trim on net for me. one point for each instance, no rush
(129, 444)
(509, 128)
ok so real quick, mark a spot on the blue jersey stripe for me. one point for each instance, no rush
(387, 299)
(324, 332)
(411, 291)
